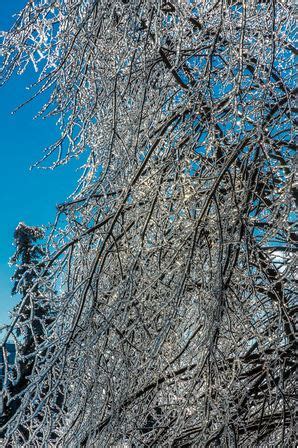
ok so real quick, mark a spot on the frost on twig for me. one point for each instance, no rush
(173, 323)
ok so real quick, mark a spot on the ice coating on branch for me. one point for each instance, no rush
(172, 323)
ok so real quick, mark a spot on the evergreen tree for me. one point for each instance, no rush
(33, 317)
(27, 259)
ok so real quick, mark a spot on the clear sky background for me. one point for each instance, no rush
(29, 196)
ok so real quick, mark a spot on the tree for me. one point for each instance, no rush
(174, 322)
(32, 318)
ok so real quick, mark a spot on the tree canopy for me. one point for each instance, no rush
(172, 273)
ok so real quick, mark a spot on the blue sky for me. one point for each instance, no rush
(29, 196)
